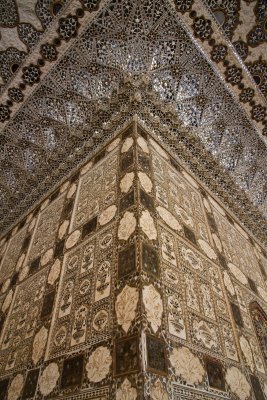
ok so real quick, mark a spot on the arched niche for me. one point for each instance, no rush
(259, 319)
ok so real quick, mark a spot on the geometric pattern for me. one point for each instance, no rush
(73, 116)
(139, 292)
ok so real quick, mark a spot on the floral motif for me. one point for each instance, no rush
(20, 261)
(258, 112)
(49, 52)
(24, 272)
(31, 74)
(184, 216)
(233, 74)
(54, 272)
(219, 52)
(183, 5)
(68, 27)
(73, 239)
(258, 70)
(226, 13)
(87, 167)
(147, 225)
(107, 215)
(228, 283)
(15, 387)
(4, 113)
(29, 36)
(217, 241)
(153, 306)
(127, 145)
(98, 364)
(46, 257)
(45, 204)
(143, 144)
(202, 28)
(91, 5)
(39, 343)
(15, 94)
(246, 95)
(158, 392)
(207, 249)
(113, 144)
(241, 48)
(187, 365)
(257, 35)
(169, 218)
(127, 182)
(205, 333)
(63, 229)
(192, 258)
(238, 274)
(127, 225)
(126, 391)
(71, 190)
(145, 182)
(126, 306)
(238, 383)
(48, 379)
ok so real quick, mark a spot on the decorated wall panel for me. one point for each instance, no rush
(132, 282)
(15, 252)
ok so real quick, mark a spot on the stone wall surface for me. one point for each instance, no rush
(132, 282)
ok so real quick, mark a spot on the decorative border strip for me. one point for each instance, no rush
(223, 56)
(185, 393)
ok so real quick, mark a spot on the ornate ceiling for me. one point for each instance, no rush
(72, 72)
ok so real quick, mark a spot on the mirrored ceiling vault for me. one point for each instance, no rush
(72, 72)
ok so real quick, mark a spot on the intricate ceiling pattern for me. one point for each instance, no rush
(244, 22)
(128, 51)
(22, 24)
